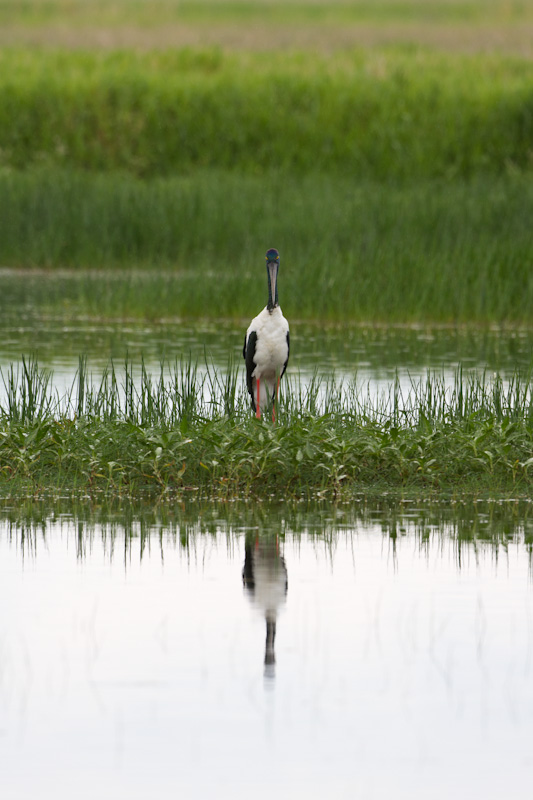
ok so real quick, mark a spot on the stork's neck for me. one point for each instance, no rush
(272, 275)
(270, 305)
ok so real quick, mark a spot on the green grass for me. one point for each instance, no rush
(163, 12)
(180, 433)
(434, 250)
(395, 182)
(376, 114)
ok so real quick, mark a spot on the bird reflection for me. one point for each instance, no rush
(264, 576)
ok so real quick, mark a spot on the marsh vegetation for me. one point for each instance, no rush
(181, 432)
(394, 178)
(435, 250)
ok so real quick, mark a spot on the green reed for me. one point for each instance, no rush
(374, 114)
(190, 428)
(436, 250)
(189, 391)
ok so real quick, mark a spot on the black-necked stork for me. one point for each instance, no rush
(266, 345)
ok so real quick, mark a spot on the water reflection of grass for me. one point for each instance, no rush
(434, 250)
(182, 434)
(130, 528)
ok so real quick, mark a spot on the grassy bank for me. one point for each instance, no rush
(185, 433)
(437, 250)
(371, 114)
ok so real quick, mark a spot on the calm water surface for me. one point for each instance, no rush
(374, 651)
(374, 356)
(38, 318)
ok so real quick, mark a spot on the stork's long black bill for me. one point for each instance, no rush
(272, 267)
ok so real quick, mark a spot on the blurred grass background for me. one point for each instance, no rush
(384, 148)
(391, 115)
(430, 250)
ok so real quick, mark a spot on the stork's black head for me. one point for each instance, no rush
(272, 265)
(272, 255)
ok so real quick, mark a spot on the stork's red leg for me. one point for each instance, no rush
(275, 401)
(258, 407)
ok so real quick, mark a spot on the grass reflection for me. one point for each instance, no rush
(131, 530)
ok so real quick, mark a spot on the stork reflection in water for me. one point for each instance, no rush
(264, 576)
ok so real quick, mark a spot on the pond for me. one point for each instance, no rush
(374, 650)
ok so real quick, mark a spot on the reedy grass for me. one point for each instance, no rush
(384, 114)
(155, 12)
(111, 13)
(435, 250)
(321, 27)
(186, 391)
(183, 431)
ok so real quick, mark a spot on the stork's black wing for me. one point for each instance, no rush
(249, 353)
(288, 351)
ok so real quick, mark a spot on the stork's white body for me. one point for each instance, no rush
(271, 352)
